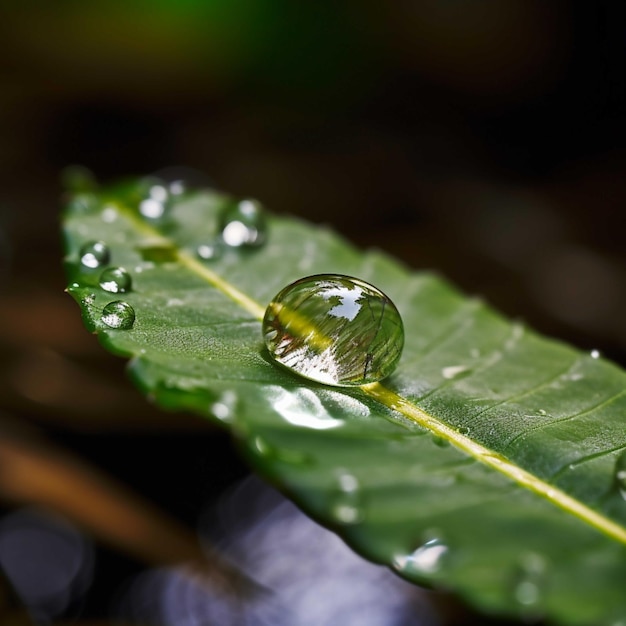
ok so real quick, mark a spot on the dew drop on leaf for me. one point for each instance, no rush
(347, 504)
(94, 254)
(243, 224)
(115, 280)
(209, 251)
(156, 202)
(118, 314)
(529, 580)
(335, 330)
(427, 559)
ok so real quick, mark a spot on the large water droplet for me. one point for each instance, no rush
(115, 280)
(94, 254)
(335, 330)
(347, 505)
(427, 559)
(620, 474)
(118, 314)
(243, 224)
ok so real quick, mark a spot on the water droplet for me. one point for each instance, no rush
(464, 430)
(223, 408)
(542, 412)
(347, 505)
(115, 280)
(109, 214)
(595, 354)
(427, 559)
(528, 580)
(209, 251)
(118, 314)
(243, 224)
(156, 202)
(454, 371)
(620, 474)
(335, 330)
(94, 254)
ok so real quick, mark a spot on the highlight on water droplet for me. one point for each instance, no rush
(94, 254)
(115, 280)
(454, 371)
(427, 559)
(118, 314)
(209, 251)
(156, 201)
(620, 474)
(335, 330)
(243, 224)
(346, 500)
(595, 354)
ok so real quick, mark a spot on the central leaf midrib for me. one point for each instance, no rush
(394, 401)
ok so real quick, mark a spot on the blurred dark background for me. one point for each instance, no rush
(484, 139)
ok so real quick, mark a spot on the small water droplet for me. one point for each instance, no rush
(223, 409)
(118, 314)
(464, 430)
(209, 251)
(109, 214)
(454, 371)
(243, 224)
(335, 330)
(94, 254)
(528, 580)
(156, 203)
(427, 559)
(115, 280)
(620, 474)
(177, 187)
(347, 505)
(595, 354)
(175, 302)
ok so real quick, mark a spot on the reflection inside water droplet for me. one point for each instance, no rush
(115, 280)
(243, 224)
(94, 254)
(118, 314)
(335, 330)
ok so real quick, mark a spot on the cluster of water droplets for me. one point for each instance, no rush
(241, 225)
(96, 255)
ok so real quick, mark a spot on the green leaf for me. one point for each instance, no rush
(485, 465)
